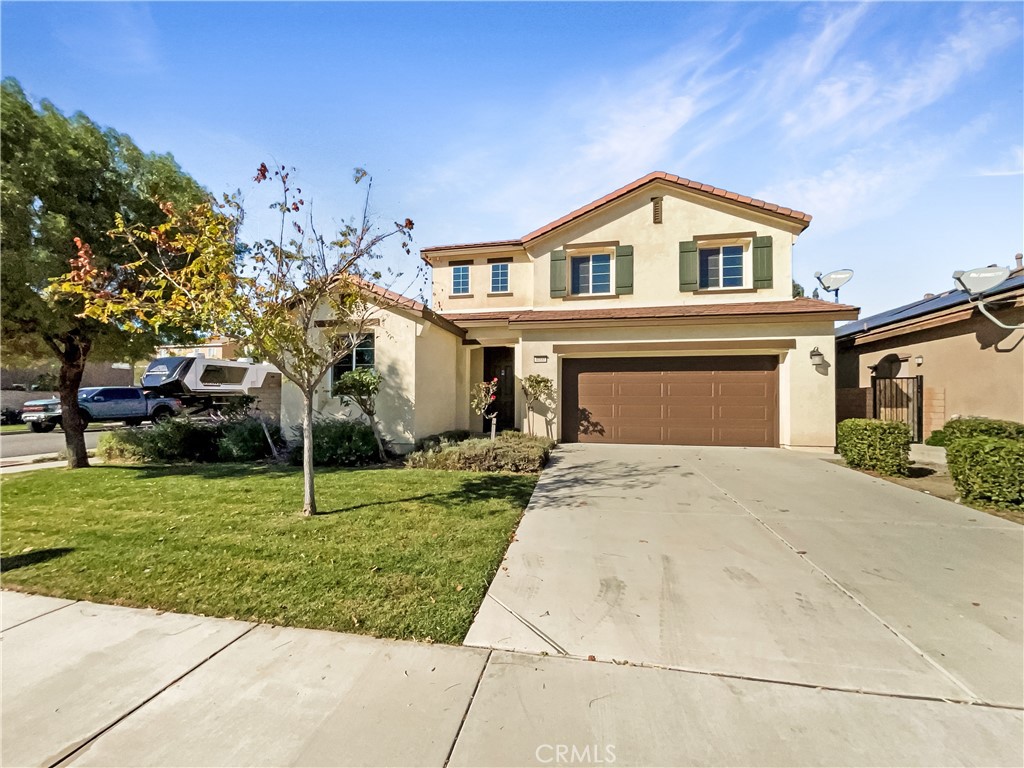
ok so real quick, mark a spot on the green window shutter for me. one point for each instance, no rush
(763, 262)
(557, 274)
(623, 269)
(689, 266)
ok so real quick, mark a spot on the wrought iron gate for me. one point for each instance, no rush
(900, 399)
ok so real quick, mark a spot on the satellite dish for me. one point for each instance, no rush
(982, 279)
(833, 281)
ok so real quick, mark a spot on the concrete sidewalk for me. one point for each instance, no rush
(87, 684)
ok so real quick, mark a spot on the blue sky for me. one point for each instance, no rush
(899, 126)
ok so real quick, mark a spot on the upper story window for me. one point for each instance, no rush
(499, 278)
(362, 356)
(591, 274)
(460, 280)
(721, 267)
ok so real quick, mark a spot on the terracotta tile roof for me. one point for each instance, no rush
(398, 300)
(801, 306)
(751, 202)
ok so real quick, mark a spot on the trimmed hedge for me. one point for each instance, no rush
(510, 452)
(186, 440)
(432, 442)
(338, 443)
(882, 446)
(988, 469)
(975, 426)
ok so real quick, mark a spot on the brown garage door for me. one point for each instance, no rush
(671, 400)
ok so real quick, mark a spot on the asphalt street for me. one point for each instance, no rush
(26, 443)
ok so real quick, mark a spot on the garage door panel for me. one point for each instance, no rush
(757, 389)
(743, 413)
(690, 389)
(693, 413)
(640, 411)
(678, 401)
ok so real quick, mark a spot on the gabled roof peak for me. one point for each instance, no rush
(804, 219)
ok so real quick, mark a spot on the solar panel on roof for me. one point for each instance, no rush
(922, 307)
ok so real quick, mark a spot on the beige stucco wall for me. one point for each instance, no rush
(655, 255)
(806, 393)
(979, 366)
(415, 357)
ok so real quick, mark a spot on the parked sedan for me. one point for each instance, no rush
(128, 404)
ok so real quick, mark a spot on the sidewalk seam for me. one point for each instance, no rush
(47, 613)
(89, 740)
(834, 582)
(469, 705)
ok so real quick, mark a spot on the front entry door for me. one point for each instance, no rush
(499, 362)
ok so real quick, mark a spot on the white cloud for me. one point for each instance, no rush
(866, 98)
(1012, 164)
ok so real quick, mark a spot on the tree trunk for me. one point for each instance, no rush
(376, 436)
(72, 366)
(308, 498)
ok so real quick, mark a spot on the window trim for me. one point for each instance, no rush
(496, 268)
(355, 366)
(572, 256)
(469, 279)
(747, 260)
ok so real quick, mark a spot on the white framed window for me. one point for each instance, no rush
(591, 275)
(363, 355)
(722, 266)
(499, 278)
(460, 280)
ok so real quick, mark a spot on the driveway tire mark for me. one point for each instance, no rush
(974, 698)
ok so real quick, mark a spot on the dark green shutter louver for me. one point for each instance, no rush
(689, 266)
(623, 269)
(557, 274)
(763, 262)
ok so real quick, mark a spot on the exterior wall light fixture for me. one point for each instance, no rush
(919, 359)
(817, 358)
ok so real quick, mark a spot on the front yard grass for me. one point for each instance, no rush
(394, 553)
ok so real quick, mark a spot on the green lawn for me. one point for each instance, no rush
(5, 428)
(394, 553)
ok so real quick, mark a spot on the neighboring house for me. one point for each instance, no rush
(663, 312)
(216, 348)
(934, 359)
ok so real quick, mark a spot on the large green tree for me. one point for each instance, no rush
(65, 178)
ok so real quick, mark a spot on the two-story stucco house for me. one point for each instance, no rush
(663, 312)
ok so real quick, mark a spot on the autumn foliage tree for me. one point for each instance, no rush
(301, 301)
(62, 180)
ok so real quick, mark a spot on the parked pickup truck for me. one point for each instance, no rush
(128, 404)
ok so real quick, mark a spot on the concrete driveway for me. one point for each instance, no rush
(762, 565)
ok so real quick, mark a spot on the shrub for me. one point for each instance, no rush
(187, 440)
(245, 440)
(511, 452)
(184, 440)
(431, 442)
(988, 469)
(882, 446)
(10, 416)
(975, 426)
(338, 443)
(126, 445)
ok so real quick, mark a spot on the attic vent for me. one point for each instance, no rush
(656, 209)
